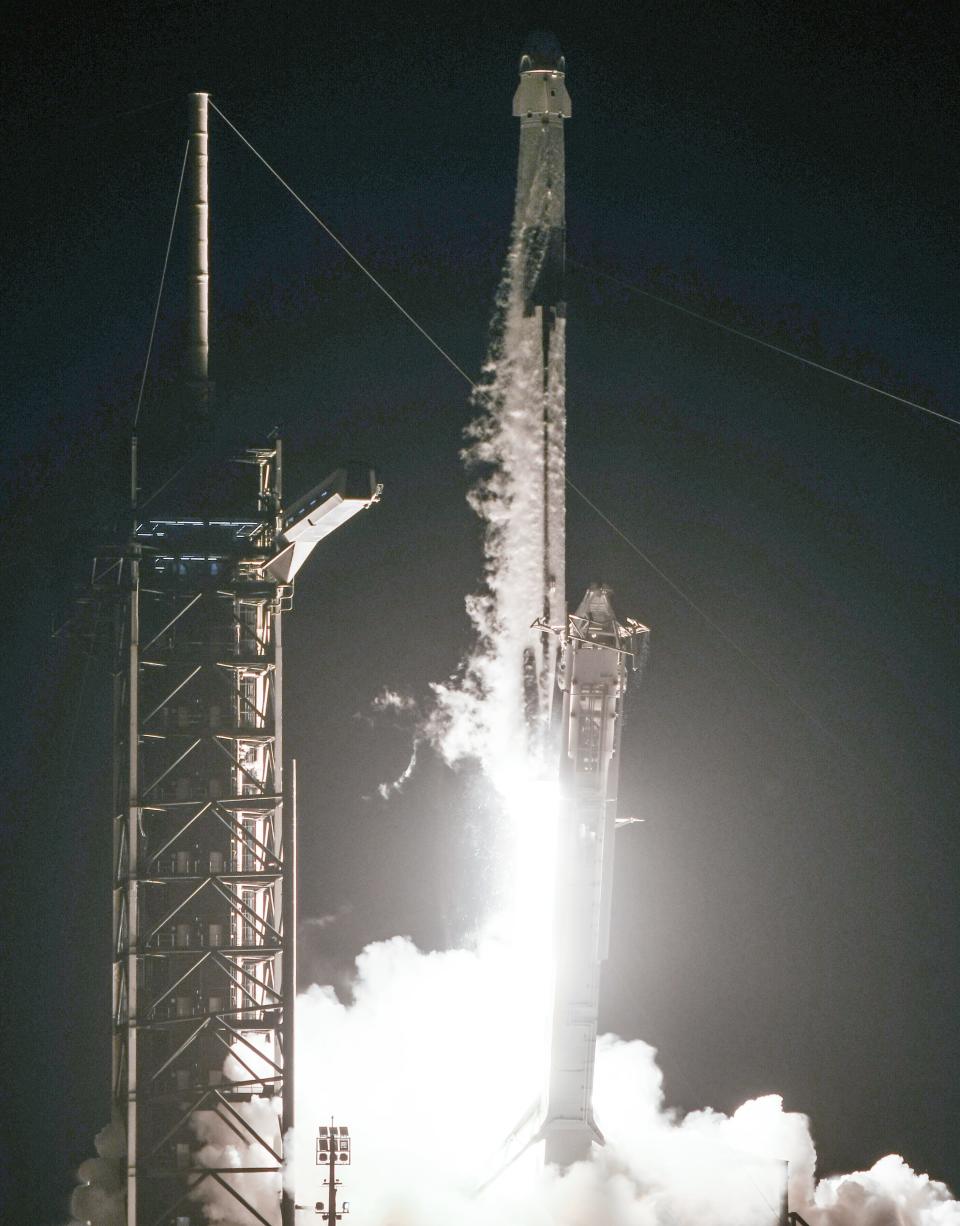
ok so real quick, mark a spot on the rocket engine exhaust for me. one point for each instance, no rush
(597, 654)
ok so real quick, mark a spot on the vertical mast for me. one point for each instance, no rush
(204, 869)
(198, 369)
(203, 900)
(127, 896)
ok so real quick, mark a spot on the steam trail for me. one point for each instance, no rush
(496, 712)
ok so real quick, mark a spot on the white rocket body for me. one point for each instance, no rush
(588, 652)
(542, 104)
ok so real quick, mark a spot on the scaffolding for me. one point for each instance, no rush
(204, 871)
(203, 864)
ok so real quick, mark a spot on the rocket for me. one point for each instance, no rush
(542, 103)
(588, 652)
(597, 654)
(584, 657)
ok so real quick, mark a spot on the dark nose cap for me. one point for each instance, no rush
(542, 50)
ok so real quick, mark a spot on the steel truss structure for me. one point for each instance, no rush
(203, 865)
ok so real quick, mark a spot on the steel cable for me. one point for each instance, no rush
(163, 277)
(688, 600)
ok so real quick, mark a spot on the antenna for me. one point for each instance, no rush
(198, 357)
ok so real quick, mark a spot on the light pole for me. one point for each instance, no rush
(333, 1150)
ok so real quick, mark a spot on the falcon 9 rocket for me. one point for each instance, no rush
(542, 103)
(589, 652)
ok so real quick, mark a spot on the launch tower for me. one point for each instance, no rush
(203, 827)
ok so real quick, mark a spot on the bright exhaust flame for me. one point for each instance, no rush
(530, 856)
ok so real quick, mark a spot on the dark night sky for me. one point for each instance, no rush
(786, 919)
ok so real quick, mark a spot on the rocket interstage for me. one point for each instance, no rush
(597, 653)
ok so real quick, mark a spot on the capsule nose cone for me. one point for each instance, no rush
(542, 51)
(542, 92)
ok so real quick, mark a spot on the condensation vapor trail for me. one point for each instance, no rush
(504, 704)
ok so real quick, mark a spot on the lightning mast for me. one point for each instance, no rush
(203, 848)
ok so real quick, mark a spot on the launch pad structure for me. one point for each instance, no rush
(203, 851)
(204, 814)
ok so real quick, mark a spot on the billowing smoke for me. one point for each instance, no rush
(100, 1198)
(246, 1135)
(516, 451)
(889, 1194)
(433, 1060)
(248, 1138)
(239, 1135)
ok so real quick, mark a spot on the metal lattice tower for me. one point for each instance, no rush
(204, 908)
(204, 975)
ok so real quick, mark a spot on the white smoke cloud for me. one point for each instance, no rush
(393, 700)
(238, 1135)
(516, 451)
(435, 1059)
(889, 1194)
(325, 921)
(406, 708)
(100, 1198)
(227, 1143)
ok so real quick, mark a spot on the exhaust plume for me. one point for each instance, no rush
(435, 1057)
